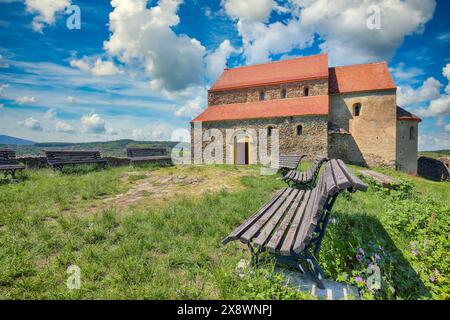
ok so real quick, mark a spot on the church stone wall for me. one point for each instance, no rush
(311, 142)
(373, 134)
(293, 90)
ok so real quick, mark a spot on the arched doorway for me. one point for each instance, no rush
(242, 149)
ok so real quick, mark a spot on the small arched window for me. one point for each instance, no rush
(411, 133)
(357, 109)
(262, 96)
(299, 130)
(306, 91)
(269, 131)
(283, 94)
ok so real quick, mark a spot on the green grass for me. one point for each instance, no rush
(174, 252)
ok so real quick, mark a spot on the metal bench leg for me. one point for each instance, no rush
(13, 176)
(314, 272)
(255, 255)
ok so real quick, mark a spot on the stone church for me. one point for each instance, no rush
(348, 112)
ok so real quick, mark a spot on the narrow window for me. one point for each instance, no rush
(411, 133)
(283, 94)
(299, 130)
(262, 96)
(357, 109)
(306, 91)
(269, 131)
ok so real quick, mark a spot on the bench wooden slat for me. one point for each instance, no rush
(145, 152)
(341, 180)
(312, 214)
(318, 208)
(266, 231)
(151, 158)
(307, 176)
(288, 241)
(11, 166)
(306, 220)
(289, 161)
(60, 158)
(331, 186)
(258, 224)
(275, 241)
(244, 226)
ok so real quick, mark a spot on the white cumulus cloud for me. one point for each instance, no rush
(50, 114)
(64, 127)
(3, 86)
(71, 100)
(447, 128)
(341, 26)
(440, 105)
(437, 141)
(249, 10)
(217, 60)
(144, 36)
(45, 11)
(93, 123)
(25, 100)
(429, 90)
(98, 68)
(31, 123)
(446, 73)
(192, 107)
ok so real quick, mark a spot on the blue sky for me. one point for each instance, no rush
(141, 69)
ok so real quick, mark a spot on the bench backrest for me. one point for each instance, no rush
(317, 163)
(335, 178)
(8, 157)
(145, 152)
(289, 161)
(72, 156)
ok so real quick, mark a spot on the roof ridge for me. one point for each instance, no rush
(274, 62)
(359, 64)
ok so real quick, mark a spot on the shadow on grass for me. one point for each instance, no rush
(352, 232)
(5, 181)
(21, 176)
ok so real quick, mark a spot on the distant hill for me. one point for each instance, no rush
(4, 139)
(107, 148)
(435, 154)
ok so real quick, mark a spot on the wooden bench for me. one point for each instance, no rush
(292, 224)
(288, 162)
(9, 164)
(382, 179)
(60, 158)
(148, 155)
(295, 177)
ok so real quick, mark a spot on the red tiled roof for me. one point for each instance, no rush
(312, 67)
(360, 77)
(402, 114)
(312, 105)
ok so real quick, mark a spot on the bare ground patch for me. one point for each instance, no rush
(153, 188)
